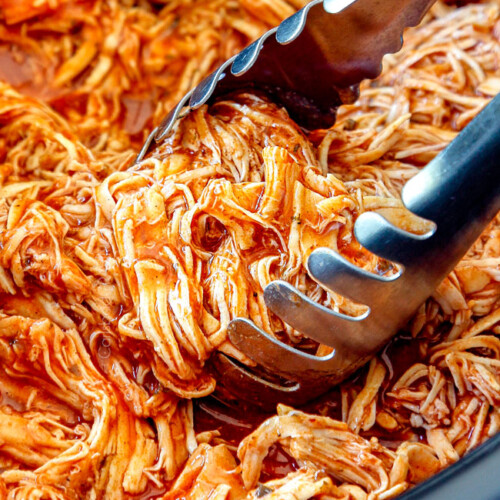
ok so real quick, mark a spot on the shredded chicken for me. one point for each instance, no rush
(118, 281)
(329, 445)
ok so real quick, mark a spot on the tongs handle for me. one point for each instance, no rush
(460, 192)
(463, 182)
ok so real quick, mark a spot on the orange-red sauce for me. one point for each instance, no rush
(235, 423)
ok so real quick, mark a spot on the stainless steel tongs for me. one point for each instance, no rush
(312, 65)
(459, 191)
(312, 62)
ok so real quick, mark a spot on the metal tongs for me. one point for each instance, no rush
(459, 191)
(312, 65)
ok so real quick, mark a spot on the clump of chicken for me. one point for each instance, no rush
(118, 281)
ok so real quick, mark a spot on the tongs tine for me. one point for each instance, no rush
(336, 273)
(459, 191)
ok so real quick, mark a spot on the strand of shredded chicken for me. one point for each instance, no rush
(117, 282)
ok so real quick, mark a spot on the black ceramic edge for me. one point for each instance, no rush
(475, 476)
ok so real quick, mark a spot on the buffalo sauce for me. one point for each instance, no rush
(235, 423)
(28, 72)
(137, 113)
(149, 493)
